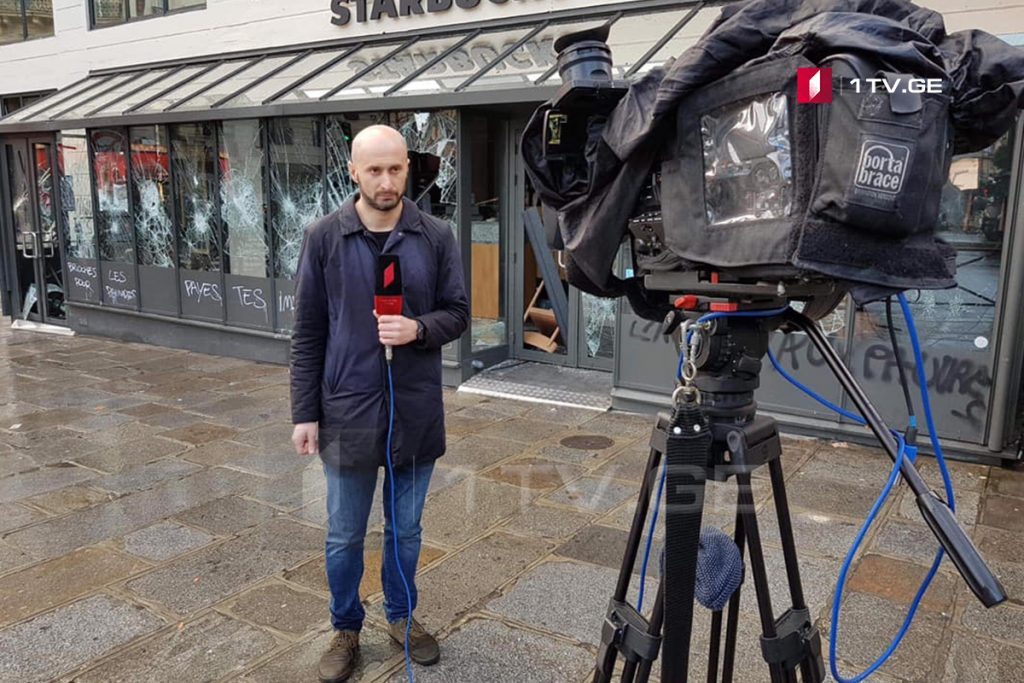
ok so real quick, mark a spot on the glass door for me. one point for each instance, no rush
(33, 210)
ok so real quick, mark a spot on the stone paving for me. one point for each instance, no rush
(155, 526)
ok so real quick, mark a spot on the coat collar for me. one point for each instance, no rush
(350, 222)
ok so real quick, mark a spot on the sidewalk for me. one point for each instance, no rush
(155, 525)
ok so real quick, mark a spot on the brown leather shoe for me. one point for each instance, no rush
(338, 663)
(423, 647)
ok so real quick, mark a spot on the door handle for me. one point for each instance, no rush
(23, 245)
(47, 244)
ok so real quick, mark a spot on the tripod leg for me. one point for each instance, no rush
(732, 623)
(608, 652)
(715, 645)
(757, 566)
(643, 670)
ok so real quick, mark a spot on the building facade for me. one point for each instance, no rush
(159, 160)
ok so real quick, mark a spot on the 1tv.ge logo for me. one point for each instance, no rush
(814, 85)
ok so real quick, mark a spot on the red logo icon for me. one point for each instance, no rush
(813, 85)
(389, 275)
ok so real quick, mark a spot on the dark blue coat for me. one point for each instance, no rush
(338, 372)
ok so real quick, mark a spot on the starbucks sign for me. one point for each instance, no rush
(344, 11)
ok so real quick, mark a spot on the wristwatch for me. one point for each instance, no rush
(421, 331)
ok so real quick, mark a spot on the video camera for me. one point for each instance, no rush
(754, 193)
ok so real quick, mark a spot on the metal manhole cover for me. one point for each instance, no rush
(587, 442)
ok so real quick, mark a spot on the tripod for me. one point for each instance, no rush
(722, 437)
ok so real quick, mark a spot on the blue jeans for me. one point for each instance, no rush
(349, 498)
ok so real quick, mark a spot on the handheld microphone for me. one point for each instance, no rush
(387, 298)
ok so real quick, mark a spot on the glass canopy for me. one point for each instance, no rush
(443, 63)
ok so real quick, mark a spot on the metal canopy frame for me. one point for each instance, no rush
(270, 74)
(462, 95)
(313, 74)
(368, 68)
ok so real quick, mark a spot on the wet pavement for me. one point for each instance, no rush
(156, 526)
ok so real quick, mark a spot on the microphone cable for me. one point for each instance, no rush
(394, 515)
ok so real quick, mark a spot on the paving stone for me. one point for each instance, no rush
(217, 453)
(42, 480)
(171, 418)
(968, 504)
(913, 541)
(272, 463)
(377, 654)
(593, 494)
(311, 574)
(11, 558)
(462, 580)
(478, 413)
(1005, 621)
(563, 415)
(469, 508)
(268, 436)
(977, 659)
(109, 623)
(867, 626)
(124, 515)
(52, 417)
(813, 532)
(200, 432)
(599, 545)
(278, 412)
(476, 452)
(1003, 512)
(113, 459)
(15, 462)
(144, 410)
(291, 491)
(164, 541)
(855, 464)
(69, 499)
(13, 515)
(142, 477)
(485, 650)
(548, 522)
(206, 649)
(589, 450)
(899, 582)
(1007, 482)
(372, 558)
(1002, 550)
(505, 406)
(121, 434)
(97, 422)
(443, 477)
(524, 431)
(534, 473)
(630, 463)
(48, 584)
(619, 424)
(16, 408)
(53, 446)
(458, 425)
(227, 516)
(210, 575)
(275, 605)
(564, 598)
(821, 494)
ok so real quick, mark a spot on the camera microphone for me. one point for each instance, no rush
(387, 296)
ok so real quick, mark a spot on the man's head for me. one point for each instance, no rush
(380, 166)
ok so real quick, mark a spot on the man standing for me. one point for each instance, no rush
(339, 383)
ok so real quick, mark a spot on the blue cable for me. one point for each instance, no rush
(650, 537)
(394, 525)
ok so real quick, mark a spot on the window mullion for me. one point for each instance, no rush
(24, 20)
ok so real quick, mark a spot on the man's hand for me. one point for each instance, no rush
(305, 438)
(395, 330)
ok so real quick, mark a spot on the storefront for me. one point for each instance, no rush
(165, 203)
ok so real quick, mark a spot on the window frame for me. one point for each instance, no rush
(129, 19)
(23, 6)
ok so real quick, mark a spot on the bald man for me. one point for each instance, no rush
(339, 384)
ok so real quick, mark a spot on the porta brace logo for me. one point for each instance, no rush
(882, 166)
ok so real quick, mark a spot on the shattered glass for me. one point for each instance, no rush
(296, 186)
(599, 324)
(246, 251)
(434, 133)
(112, 217)
(151, 196)
(194, 168)
(340, 185)
(76, 196)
